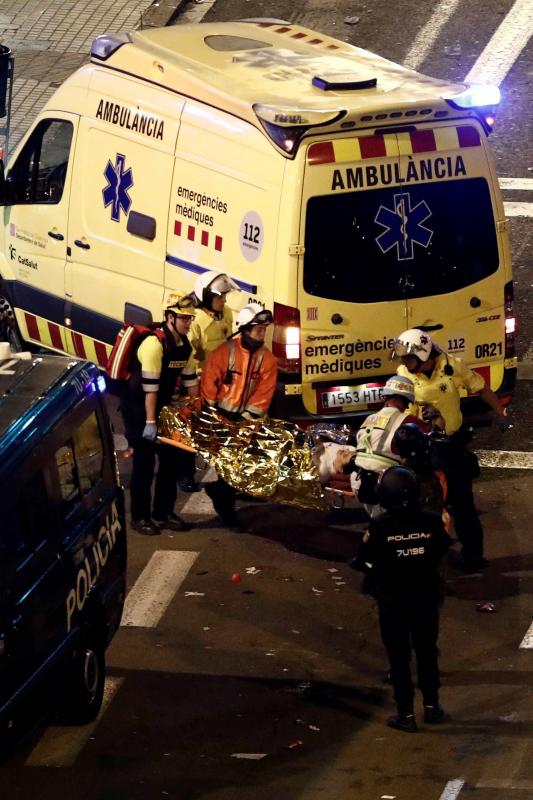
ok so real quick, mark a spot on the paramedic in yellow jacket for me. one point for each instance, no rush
(211, 327)
(239, 378)
(439, 381)
(213, 324)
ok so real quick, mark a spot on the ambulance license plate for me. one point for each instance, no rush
(349, 397)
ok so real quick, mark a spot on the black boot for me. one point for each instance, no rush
(223, 498)
(403, 722)
(434, 714)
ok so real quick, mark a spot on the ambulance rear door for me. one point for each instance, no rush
(351, 294)
(451, 260)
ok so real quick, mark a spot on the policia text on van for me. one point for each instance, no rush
(62, 539)
(354, 197)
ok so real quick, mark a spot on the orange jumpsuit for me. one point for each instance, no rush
(239, 382)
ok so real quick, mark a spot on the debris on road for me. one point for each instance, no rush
(486, 608)
(249, 756)
(194, 594)
(318, 591)
(252, 571)
(351, 20)
(236, 578)
(293, 745)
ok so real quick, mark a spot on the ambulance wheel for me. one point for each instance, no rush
(82, 701)
(9, 331)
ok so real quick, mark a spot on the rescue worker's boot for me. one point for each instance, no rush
(434, 714)
(223, 498)
(404, 720)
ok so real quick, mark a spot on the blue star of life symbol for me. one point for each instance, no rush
(403, 226)
(119, 180)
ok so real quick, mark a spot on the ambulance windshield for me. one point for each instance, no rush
(396, 243)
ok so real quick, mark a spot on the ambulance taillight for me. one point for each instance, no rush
(510, 320)
(286, 338)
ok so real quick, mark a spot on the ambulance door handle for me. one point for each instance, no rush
(56, 235)
(83, 245)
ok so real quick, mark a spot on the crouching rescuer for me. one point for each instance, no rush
(161, 368)
(239, 379)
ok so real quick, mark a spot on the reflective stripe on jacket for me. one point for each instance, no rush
(238, 381)
(374, 439)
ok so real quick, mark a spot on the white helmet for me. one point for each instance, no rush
(211, 284)
(253, 314)
(413, 342)
(399, 386)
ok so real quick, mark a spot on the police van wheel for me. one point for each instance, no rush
(85, 692)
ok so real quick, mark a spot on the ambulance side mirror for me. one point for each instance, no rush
(2, 184)
(6, 188)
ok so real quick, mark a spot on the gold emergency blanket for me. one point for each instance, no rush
(265, 458)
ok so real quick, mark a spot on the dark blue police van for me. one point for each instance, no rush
(62, 537)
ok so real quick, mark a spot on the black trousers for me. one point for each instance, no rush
(168, 472)
(407, 623)
(461, 499)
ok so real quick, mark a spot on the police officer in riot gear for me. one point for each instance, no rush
(400, 554)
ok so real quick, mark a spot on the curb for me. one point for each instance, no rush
(162, 13)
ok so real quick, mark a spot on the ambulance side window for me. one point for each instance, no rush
(38, 175)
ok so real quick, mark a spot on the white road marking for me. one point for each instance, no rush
(60, 746)
(156, 586)
(527, 641)
(506, 459)
(199, 503)
(195, 12)
(427, 35)
(518, 209)
(505, 46)
(520, 184)
(452, 789)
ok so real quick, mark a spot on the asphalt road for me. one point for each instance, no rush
(272, 687)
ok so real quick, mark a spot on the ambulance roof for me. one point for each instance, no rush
(234, 65)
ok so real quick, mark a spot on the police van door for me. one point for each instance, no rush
(351, 296)
(39, 187)
(118, 223)
(453, 264)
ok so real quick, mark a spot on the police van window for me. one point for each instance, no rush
(27, 524)
(89, 453)
(68, 479)
(395, 243)
(38, 175)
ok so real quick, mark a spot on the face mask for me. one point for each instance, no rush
(250, 344)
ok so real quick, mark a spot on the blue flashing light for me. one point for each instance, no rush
(476, 96)
(101, 384)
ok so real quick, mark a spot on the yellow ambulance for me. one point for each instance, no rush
(353, 197)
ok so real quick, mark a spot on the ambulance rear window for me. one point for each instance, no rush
(392, 243)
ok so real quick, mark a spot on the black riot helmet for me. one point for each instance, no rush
(411, 444)
(397, 489)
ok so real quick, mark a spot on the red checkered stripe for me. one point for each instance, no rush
(409, 143)
(298, 35)
(193, 234)
(58, 337)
